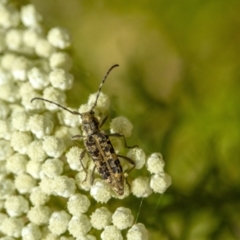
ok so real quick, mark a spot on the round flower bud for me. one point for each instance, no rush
(58, 222)
(111, 233)
(101, 218)
(31, 232)
(140, 187)
(20, 141)
(12, 227)
(79, 225)
(35, 151)
(100, 191)
(155, 163)
(17, 163)
(24, 183)
(137, 231)
(39, 215)
(29, 16)
(138, 156)
(43, 48)
(103, 102)
(121, 125)
(16, 206)
(59, 38)
(54, 147)
(38, 197)
(38, 78)
(160, 182)
(63, 186)
(52, 167)
(122, 218)
(78, 204)
(60, 60)
(61, 79)
(5, 149)
(33, 168)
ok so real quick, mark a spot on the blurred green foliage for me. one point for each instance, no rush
(179, 84)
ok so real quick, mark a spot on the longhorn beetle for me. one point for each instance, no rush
(98, 144)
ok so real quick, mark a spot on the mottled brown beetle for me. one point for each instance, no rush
(99, 146)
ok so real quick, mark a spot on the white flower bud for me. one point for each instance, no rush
(9, 16)
(5, 129)
(9, 92)
(58, 222)
(101, 218)
(78, 204)
(7, 187)
(137, 232)
(12, 227)
(63, 186)
(7, 59)
(155, 163)
(30, 37)
(138, 156)
(5, 77)
(54, 95)
(81, 181)
(69, 119)
(41, 124)
(33, 168)
(46, 185)
(103, 102)
(86, 237)
(100, 191)
(20, 141)
(38, 78)
(160, 182)
(38, 197)
(52, 167)
(43, 48)
(121, 125)
(20, 68)
(24, 183)
(61, 79)
(122, 218)
(111, 233)
(14, 39)
(140, 187)
(35, 151)
(54, 147)
(5, 149)
(19, 121)
(30, 17)
(59, 38)
(17, 163)
(73, 159)
(60, 60)
(39, 215)
(31, 232)
(79, 225)
(16, 206)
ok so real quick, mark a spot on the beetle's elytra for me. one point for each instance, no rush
(98, 144)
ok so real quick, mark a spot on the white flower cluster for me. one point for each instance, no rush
(45, 192)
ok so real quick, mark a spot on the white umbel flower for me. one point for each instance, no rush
(101, 218)
(54, 147)
(16, 206)
(78, 204)
(52, 167)
(12, 227)
(137, 232)
(30, 17)
(138, 156)
(35, 151)
(160, 182)
(63, 186)
(58, 222)
(61, 79)
(140, 187)
(38, 197)
(122, 218)
(38, 78)
(17, 163)
(43, 48)
(24, 183)
(111, 233)
(59, 38)
(79, 225)
(121, 125)
(60, 60)
(155, 163)
(31, 232)
(33, 168)
(39, 215)
(20, 141)
(100, 191)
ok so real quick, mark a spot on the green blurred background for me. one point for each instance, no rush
(178, 82)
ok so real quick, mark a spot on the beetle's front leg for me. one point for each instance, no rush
(124, 139)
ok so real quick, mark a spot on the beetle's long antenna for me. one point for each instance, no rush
(100, 87)
(66, 109)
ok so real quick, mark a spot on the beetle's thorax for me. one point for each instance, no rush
(90, 123)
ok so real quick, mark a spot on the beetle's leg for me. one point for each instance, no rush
(77, 137)
(103, 121)
(92, 175)
(124, 139)
(130, 161)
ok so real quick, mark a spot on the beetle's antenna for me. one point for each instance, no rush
(100, 87)
(66, 109)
